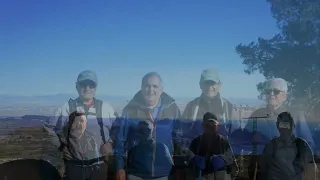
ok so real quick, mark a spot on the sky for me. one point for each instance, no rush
(45, 44)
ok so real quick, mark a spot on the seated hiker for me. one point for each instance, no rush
(286, 156)
(148, 159)
(83, 160)
(213, 155)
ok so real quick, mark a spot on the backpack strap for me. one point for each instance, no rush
(98, 107)
(300, 144)
(72, 105)
(274, 147)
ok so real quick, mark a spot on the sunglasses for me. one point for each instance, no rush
(273, 91)
(91, 85)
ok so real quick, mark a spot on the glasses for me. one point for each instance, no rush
(284, 125)
(91, 85)
(273, 91)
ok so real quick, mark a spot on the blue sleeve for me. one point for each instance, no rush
(120, 141)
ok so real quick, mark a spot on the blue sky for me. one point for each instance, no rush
(45, 44)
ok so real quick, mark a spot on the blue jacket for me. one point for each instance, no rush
(141, 165)
(167, 128)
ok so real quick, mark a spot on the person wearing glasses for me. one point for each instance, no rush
(276, 91)
(100, 118)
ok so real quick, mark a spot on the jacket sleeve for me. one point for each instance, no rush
(55, 126)
(177, 131)
(306, 155)
(303, 130)
(234, 119)
(186, 115)
(109, 116)
(120, 141)
(264, 160)
(228, 155)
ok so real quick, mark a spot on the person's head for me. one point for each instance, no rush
(77, 124)
(276, 92)
(285, 124)
(145, 129)
(210, 123)
(210, 83)
(151, 88)
(86, 85)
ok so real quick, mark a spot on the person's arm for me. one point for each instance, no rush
(228, 155)
(120, 141)
(234, 120)
(55, 126)
(177, 132)
(303, 130)
(264, 160)
(186, 112)
(109, 118)
(306, 155)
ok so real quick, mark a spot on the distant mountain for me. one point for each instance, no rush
(59, 99)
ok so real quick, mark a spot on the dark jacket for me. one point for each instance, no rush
(141, 165)
(166, 127)
(285, 160)
(267, 130)
(208, 146)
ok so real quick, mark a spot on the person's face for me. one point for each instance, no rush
(79, 126)
(86, 89)
(285, 128)
(210, 88)
(210, 127)
(275, 96)
(151, 90)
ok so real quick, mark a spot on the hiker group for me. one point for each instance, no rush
(153, 140)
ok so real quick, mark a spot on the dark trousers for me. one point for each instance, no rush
(95, 172)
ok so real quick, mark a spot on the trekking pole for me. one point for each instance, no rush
(255, 171)
(199, 175)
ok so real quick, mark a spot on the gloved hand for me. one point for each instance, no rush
(217, 163)
(199, 162)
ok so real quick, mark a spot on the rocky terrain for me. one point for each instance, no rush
(26, 142)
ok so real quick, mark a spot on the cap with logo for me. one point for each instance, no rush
(209, 75)
(87, 75)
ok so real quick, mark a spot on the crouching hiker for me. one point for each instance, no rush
(83, 161)
(213, 155)
(286, 156)
(148, 159)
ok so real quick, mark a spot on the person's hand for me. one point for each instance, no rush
(217, 163)
(121, 174)
(106, 148)
(199, 162)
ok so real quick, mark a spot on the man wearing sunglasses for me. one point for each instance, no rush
(286, 156)
(100, 117)
(276, 97)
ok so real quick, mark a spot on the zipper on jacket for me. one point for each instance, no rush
(154, 151)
